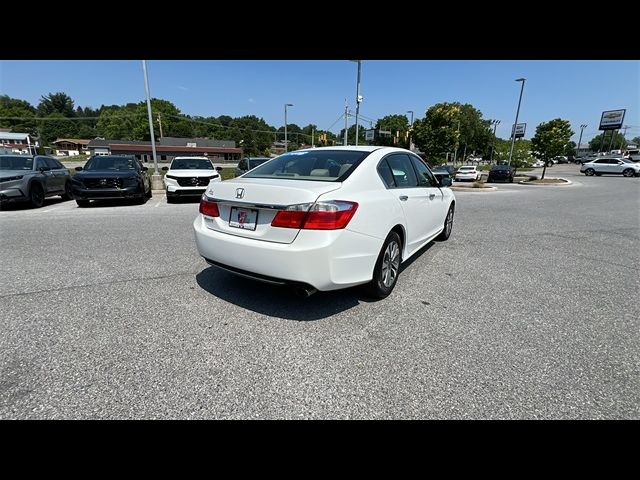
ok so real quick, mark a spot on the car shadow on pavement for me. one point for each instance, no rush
(48, 202)
(277, 301)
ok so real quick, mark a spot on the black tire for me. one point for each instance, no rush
(68, 194)
(387, 268)
(82, 203)
(448, 224)
(150, 193)
(629, 172)
(589, 172)
(36, 195)
(511, 180)
(170, 198)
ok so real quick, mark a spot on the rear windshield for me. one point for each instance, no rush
(323, 165)
(467, 168)
(501, 167)
(191, 164)
(16, 163)
(110, 163)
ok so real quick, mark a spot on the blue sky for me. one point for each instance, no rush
(575, 90)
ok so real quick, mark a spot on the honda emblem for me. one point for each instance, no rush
(239, 192)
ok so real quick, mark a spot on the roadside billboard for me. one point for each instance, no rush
(612, 119)
(520, 129)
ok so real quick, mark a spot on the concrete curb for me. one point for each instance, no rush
(473, 189)
(567, 182)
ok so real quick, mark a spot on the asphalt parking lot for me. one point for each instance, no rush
(529, 311)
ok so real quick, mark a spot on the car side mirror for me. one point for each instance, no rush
(165, 169)
(219, 169)
(445, 182)
(78, 169)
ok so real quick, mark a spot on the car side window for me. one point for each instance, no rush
(385, 173)
(402, 170)
(40, 163)
(51, 163)
(425, 177)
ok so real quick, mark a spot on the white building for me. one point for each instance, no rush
(17, 142)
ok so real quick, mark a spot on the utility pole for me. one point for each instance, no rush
(156, 179)
(358, 100)
(312, 142)
(493, 146)
(624, 135)
(411, 130)
(160, 124)
(286, 146)
(582, 127)
(515, 125)
(455, 153)
(346, 121)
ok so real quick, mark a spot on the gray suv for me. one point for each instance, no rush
(32, 178)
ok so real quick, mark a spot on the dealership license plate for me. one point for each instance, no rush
(245, 218)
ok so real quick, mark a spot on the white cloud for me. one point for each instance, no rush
(251, 100)
(182, 88)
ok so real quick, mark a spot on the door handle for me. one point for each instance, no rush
(432, 196)
(404, 198)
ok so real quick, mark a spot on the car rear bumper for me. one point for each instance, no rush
(325, 260)
(106, 193)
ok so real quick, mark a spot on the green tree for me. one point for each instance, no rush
(58, 102)
(521, 156)
(21, 111)
(570, 149)
(52, 128)
(596, 144)
(551, 139)
(398, 125)
(118, 122)
(437, 133)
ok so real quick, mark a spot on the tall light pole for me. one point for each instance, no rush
(513, 135)
(358, 97)
(286, 146)
(410, 129)
(582, 127)
(156, 180)
(493, 145)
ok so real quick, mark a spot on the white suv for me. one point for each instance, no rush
(468, 172)
(189, 176)
(611, 165)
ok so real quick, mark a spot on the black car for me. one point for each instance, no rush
(443, 171)
(248, 163)
(110, 177)
(500, 172)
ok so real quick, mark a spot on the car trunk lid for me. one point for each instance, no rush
(247, 206)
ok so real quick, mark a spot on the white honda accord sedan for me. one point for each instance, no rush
(325, 218)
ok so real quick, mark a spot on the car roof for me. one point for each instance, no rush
(353, 148)
(191, 158)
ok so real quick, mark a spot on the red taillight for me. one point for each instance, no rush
(332, 215)
(209, 208)
(288, 219)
